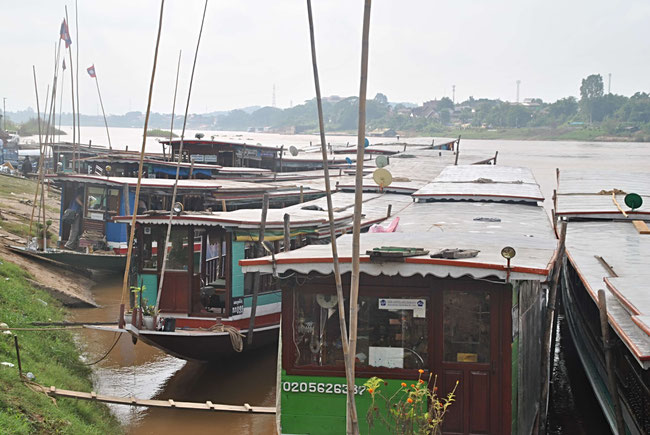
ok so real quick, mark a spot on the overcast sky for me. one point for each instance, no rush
(418, 50)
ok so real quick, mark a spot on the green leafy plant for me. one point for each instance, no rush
(414, 409)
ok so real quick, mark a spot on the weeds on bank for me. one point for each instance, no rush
(51, 356)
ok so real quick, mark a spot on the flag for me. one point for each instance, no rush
(65, 34)
(91, 71)
(63, 64)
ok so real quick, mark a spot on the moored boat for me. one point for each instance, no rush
(608, 248)
(457, 290)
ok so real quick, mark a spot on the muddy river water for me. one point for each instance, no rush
(144, 372)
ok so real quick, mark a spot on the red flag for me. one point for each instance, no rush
(65, 34)
(91, 71)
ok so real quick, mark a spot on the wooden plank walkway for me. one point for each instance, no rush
(205, 406)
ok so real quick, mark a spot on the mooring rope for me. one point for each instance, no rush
(236, 337)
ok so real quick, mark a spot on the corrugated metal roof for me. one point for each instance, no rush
(482, 183)
(487, 227)
(627, 252)
(531, 262)
(588, 194)
(599, 207)
(591, 182)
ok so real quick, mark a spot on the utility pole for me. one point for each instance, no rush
(518, 83)
(4, 113)
(273, 100)
(609, 84)
(453, 94)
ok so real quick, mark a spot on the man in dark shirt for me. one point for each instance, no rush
(75, 227)
(26, 168)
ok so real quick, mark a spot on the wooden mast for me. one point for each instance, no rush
(74, 123)
(125, 281)
(358, 194)
(178, 163)
(171, 128)
(352, 419)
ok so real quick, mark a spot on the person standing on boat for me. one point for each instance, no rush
(26, 168)
(75, 207)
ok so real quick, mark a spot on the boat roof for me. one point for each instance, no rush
(308, 214)
(482, 183)
(588, 194)
(222, 185)
(487, 227)
(228, 143)
(120, 158)
(626, 251)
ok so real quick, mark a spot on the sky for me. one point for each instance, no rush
(419, 49)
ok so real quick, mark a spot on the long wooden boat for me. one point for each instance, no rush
(203, 284)
(608, 248)
(476, 320)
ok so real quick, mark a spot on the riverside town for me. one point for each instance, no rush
(310, 217)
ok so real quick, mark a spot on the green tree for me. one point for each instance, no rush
(590, 89)
(381, 98)
(445, 103)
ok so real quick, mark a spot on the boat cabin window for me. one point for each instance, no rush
(265, 280)
(100, 199)
(215, 258)
(392, 332)
(151, 240)
(466, 326)
(177, 258)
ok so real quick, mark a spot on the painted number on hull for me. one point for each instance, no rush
(313, 387)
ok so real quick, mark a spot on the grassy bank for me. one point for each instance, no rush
(52, 357)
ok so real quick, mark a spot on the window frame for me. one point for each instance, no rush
(379, 291)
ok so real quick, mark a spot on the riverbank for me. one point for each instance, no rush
(52, 357)
(581, 134)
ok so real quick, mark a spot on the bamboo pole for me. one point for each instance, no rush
(75, 148)
(178, 163)
(101, 103)
(547, 349)
(358, 194)
(607, 347)
(40, 144)
(256, 284)
(125, 281)
(171, 128)
(351, 419)
(287, 232)
(76, 19)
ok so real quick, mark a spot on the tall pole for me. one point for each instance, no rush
(352, 419)
(171, 128)
(453, 94)
(125, 281)
(76, 20)
(110, 147)
(609, 83)
(60, 111)
(358, 194)
(518, 83)
(178, 163)
(4, 113)
(74, 123)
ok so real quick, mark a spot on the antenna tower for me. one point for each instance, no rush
(453, 94)
(609, 83)
(273, 101)
(518, 83)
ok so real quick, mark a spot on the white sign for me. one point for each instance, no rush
(419, 306)
(391, 357)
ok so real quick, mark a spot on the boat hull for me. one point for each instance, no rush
(203, 346)
(579, 315)
(112, 263)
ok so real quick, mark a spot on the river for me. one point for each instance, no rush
(144, 372)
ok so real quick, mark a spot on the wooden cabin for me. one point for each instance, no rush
(475, 320)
